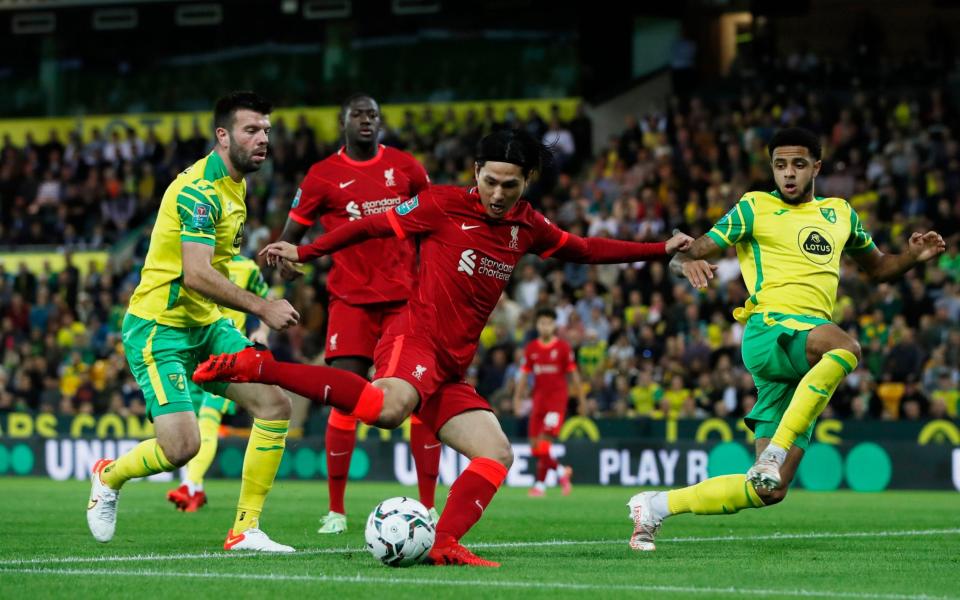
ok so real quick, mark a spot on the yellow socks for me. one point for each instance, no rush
(260, 463)
(146, 459)
(728, 494)
(813, 393)
(209, 422)
(723, 495)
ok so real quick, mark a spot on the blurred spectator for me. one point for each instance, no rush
(647, 346)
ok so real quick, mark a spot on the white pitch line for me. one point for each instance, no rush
(526, 544)
(480, 583)
(730, 538)
(142, 557)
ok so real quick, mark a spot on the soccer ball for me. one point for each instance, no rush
(400, 532)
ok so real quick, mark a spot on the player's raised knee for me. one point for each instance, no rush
(399, 400)
(180, 450)
(392, 414)
(853, 347)
(278, 405)
(273, 405)
(503, 454)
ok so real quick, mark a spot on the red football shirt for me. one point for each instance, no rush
(339, 190)
(466, 259)
(549, 364)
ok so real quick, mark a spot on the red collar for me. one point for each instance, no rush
(342, 153)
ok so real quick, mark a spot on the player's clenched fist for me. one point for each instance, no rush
(680, 242)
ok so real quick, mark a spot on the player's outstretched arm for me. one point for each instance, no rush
(691, 263)
(596, 250)
(921, 247)
(349, 234)
(199, 275)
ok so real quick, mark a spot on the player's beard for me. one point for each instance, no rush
(242, 161)
(800, 198)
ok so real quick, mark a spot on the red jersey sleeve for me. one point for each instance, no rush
(348, 234)
(309, 201)
(550, 240)
(547, 237)
(525, 366)
(417, 215)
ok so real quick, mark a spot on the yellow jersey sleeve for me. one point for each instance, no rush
(199, 209)
(736, 226)
(859, 241)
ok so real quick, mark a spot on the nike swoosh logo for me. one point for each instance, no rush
(480, 506)
(466, 227)
(93, 502)
(431, 446)
(344, 184)
(332, 453)
(326, 392)
(231, 540)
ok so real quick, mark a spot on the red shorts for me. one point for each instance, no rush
(443, 394)
(354, 329)
(547, 416)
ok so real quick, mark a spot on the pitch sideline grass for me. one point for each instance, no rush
(888, 546)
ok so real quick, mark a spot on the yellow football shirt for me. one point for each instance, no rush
(205, 206)
(790, 254)
(646, 398)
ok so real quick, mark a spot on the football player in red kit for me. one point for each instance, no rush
(550, 359)
(369, 283)
(470, 242)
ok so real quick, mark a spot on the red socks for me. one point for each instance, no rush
(340, 439)
(469, 496)
(545, 460)
(350, 393)
(425, 448)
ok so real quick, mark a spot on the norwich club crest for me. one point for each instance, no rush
(178, 381)
(829, 214)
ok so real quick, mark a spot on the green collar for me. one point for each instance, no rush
(215, 169)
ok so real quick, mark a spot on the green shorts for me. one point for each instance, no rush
(774, 350)
(162, 359)
(218, 403)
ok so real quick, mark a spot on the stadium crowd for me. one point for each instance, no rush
(647, 345)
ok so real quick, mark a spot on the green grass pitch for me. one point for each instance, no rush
(886, 546)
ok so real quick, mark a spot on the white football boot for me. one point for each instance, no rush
(765, 473)
(645, 524)
(102, 507)
(255, 540)
(333, 522)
